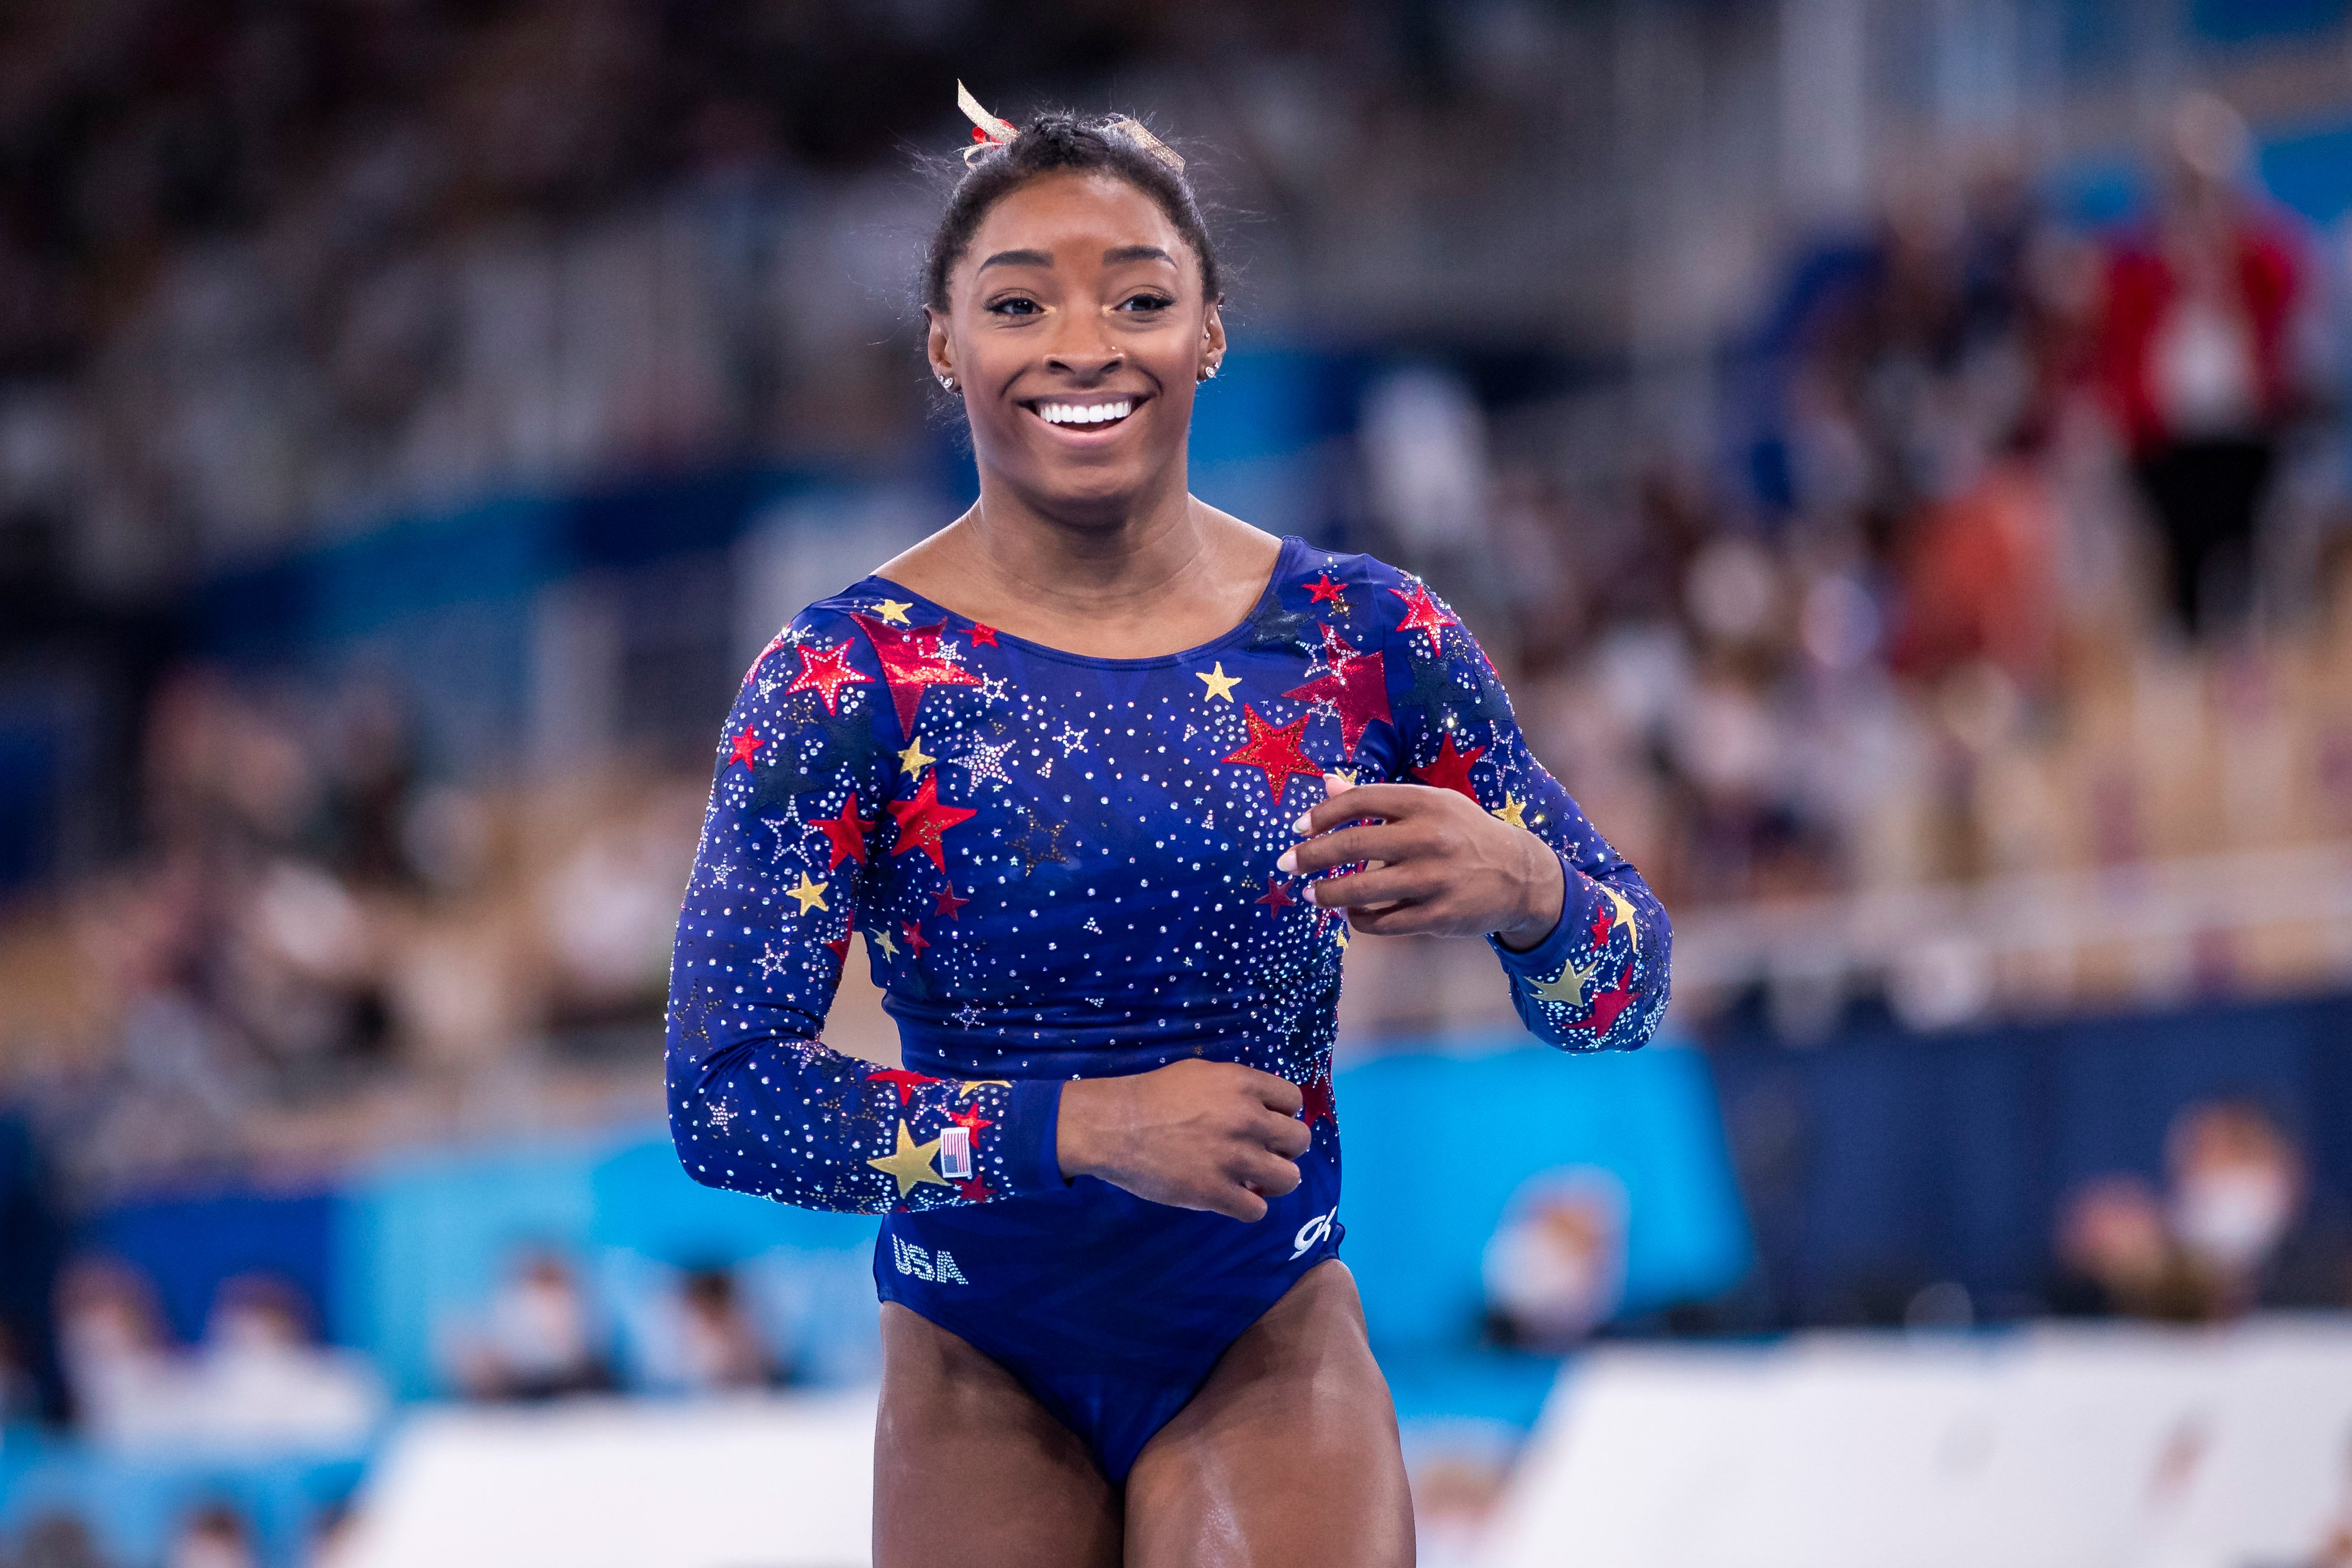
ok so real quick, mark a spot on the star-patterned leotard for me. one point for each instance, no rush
(1065, 867)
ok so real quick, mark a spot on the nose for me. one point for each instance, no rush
(1082, 354)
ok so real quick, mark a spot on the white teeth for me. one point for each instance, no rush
(1084, 414)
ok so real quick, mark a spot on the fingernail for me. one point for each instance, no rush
(1287, 863)
(1311, 893)
(1304, 825)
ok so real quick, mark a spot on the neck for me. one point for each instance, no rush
(1086, 562)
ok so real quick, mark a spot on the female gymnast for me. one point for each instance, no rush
(1081, 767)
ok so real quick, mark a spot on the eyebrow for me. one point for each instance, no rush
(1117, 254)
(1016, 258)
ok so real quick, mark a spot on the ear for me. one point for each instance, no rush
(937, 347)
(1213, 334)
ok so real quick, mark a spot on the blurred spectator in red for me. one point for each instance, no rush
(1555, 1270)
(1978, 577)
(2242, 1214)
(540, 1340)
(2115, 1259)
(719, 1347)
(213, 1536)
(2198, 357)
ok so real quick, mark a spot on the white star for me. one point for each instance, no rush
(771, 963)
(1071, 739)
(967, 1015)
(985, 761)
(722, 871)
(721, 1115)
(993, 688)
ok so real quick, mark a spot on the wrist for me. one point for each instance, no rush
(1546, 896)
(1078, 1131)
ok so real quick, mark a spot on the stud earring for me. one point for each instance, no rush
(947, 383)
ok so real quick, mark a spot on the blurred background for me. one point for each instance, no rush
(1895, 449)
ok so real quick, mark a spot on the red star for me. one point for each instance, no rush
(825, 671)
(980, 634)
(911, 662)
(923, 820)
(840, 947)
(847, 833)
(1326, 591)
(1608, 1005)
(916, 940)
(971, 1120)
(1449, 768)
(905, 1080)
(949, 902)
(1275, 897)
(1319, 1107)
(1421, 614)
(975, 1188)
(1360, 695)
(1275, 750)
(746, 743)
(1603, 919)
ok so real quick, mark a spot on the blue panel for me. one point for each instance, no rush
(645, 1203)
(2245, 21)
(427, 1239)
(1436, 1146)
(134, 1505)
(2311, 173)
(188, 1245)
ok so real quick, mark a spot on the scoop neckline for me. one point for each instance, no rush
(1291, 543)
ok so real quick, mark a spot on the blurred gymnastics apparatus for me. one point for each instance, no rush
(1897, 456)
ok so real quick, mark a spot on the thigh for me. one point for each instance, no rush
(970, 1468)
(1287, 1455)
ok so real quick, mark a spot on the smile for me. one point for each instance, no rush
(1093, 415)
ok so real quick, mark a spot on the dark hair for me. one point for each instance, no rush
(1052, 142)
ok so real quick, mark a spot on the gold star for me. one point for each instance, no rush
(810, 894)
(912, 760)
(882, 940)
(1343, 933)
(893, 612)
(1559, 988)
(1346, 777)
(1512, 810)
(1221, 685)
(911, 1165)
(1624, 914)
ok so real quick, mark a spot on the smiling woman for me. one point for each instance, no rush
(1105, 777)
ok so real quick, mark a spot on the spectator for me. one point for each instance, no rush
(213, 1536)
(258, 1379)
(2115, 1257)
(541, 1341)
(118, 1371)
(2198, 362)
(1555, 1270)
(2241, 1213)
(719, 1348)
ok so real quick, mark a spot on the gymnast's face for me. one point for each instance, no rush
(1076, 330)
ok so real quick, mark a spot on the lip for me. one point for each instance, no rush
(1086, 434)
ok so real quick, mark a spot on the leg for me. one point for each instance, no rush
(968, 1468)
(1287, 1455)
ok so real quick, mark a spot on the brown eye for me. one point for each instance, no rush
(1147, 302)
(1015, 306)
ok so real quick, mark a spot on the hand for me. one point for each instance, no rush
(1436, 863)
(1194, 1134)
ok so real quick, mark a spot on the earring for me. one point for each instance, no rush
(1208, 373)
(947, 383)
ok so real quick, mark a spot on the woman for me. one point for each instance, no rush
(1078, 766)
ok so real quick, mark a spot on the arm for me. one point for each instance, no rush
(1486, 842)
(758, 1102)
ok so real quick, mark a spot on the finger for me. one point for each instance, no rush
(1237, 1203)
(1286, 1135)
(1392, 919)
(1388, 801)
(1346, 847)
(1277, 1094)
(1390, 884)
(1336, 783)
(1268, 1174)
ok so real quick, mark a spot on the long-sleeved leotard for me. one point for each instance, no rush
(1063, 867)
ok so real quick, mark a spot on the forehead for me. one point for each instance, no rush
(1073, 217)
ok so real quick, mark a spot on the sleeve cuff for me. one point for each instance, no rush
(1033, 1115)
(1546, 958)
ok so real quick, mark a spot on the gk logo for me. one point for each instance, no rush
(1312, 1233)
(940, 1266)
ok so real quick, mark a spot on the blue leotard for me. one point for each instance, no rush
(1065, 867)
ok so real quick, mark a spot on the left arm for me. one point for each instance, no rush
(1490, 843)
